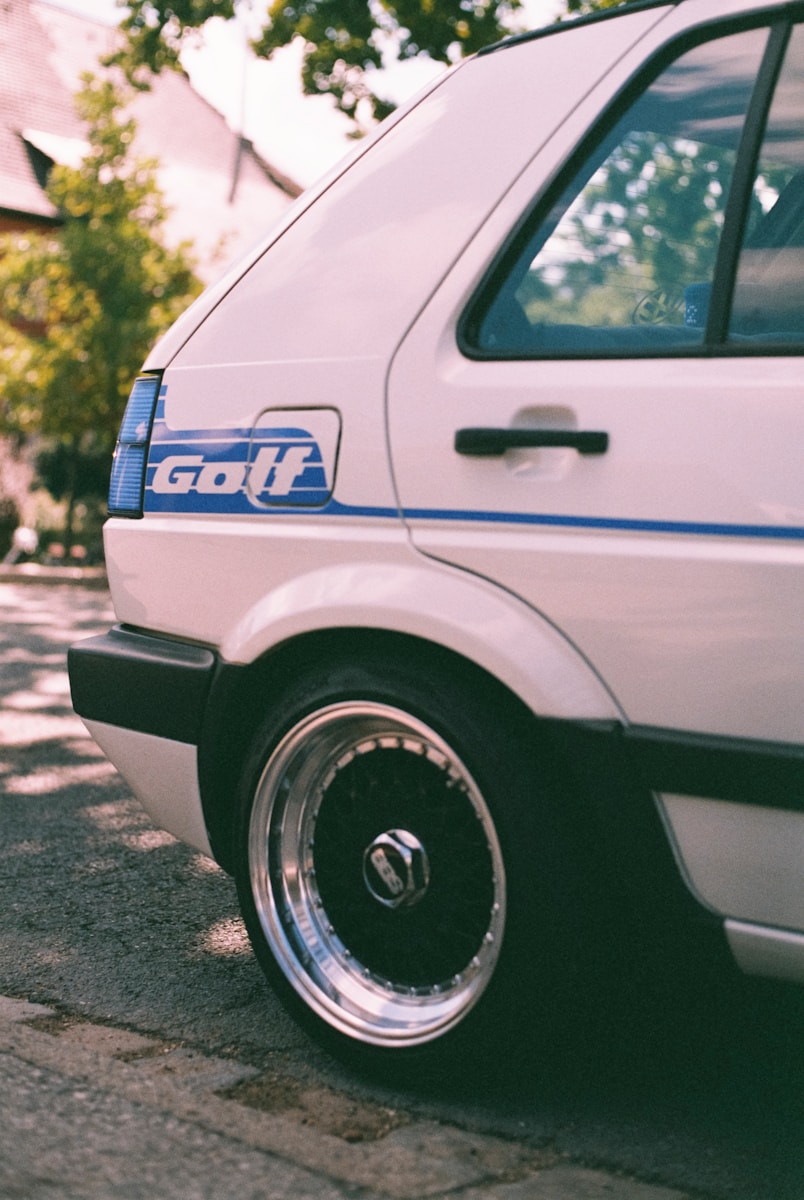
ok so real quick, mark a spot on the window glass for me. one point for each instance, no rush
(768, 300)
(624, 262)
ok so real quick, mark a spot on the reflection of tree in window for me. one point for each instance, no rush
(632, 243)
(648, 220)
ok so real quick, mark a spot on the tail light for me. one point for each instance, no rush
(127, 484)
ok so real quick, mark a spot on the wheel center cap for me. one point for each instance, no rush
(396, 869)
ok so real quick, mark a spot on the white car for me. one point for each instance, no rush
(455, 537)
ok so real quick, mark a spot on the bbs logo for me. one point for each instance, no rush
(275, 464)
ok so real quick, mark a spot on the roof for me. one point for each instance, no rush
(32, 97)
(221, 194)
(572, 21)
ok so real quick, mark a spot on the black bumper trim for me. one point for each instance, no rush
(741, 770)
(140, 682)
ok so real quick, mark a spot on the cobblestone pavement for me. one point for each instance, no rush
(87, 1110)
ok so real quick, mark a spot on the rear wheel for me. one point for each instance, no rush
(377, 872)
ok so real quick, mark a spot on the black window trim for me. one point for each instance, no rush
(742, 182)
(779, 23)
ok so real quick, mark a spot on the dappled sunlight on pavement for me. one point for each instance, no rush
(104, 912)
(227, 938)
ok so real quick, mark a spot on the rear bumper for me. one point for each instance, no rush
(143, 699)
(143, 683)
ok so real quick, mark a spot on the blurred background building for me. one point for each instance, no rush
(221, 196)
(221, 193)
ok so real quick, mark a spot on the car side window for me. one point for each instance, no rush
(625, 260)
(768, 302)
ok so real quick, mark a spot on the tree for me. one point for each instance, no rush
(82, 305)
(646, 223)
(345, 41)
(580, 8)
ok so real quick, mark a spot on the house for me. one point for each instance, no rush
(221, 194)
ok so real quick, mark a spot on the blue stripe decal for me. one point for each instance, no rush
(558, 521)
(282, 470)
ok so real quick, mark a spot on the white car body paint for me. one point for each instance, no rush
(302, 473)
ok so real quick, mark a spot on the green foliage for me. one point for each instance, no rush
(156, 29)
(81, 306)
(647, 221)
(580, 8)
(74, 477)
(9, 520)
(345, 40)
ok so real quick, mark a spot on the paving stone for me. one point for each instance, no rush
(117, 1043)
(12, 1009)
(188, 1066)
(566, 1182)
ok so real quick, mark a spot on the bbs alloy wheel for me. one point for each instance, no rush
(375, 874)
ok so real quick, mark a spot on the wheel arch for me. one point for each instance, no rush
(440, 620)
(239, 693)
(439, 606)
(445, 618)
(631, 879)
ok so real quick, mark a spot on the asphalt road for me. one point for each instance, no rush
(111, 925)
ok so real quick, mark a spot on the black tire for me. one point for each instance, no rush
(400, 864)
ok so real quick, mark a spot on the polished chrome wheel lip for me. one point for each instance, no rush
(332, 982)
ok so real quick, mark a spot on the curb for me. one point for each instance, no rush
(414, 1161)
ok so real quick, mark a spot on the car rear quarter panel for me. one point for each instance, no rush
(316, 320)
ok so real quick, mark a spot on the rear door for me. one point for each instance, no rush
(602, 411)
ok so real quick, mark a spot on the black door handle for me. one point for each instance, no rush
(490, 443)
